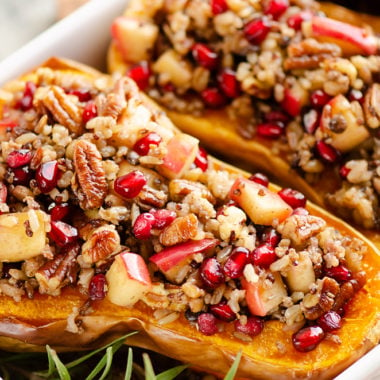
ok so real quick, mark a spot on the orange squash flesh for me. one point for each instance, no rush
(32, 323)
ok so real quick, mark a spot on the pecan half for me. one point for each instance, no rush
(90, 175)
(179, 188)
(180, 230)
(102, 243)
(371, 106)
(149, 197)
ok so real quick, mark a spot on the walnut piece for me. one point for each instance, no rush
(371, 106)
(90, 175)
(180, 230)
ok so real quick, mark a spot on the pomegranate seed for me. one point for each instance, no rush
(300, 211)
(130, 185)
(47, 176)
(3, 192)
(162, 218)
(276, 116)
(205, 56)
(308, 338)
(339, 273)
(26, 102)
(219, 6)
(18, 158)
(327, 152)
(319, 98)
(270, 130)
(330, 321)
(356, 95)
(234, 265)
(253, 327)
(263, 256)
(297, 19)
(211, 273)
(260, 178)
(22, 175)
(142, 146)
(276, 8)
(143, 226)
(207, 324)
(271, 237)
(140, 73)
(82, 94)
(213, 97)
(223, 312)
(257, 30)
(97, 288)
(90, 111)
(62, 233)
(229, 84)
(59, 212)
(343, 171)
(291, 103)
(311, 120)
(292, 197)
(201, 159)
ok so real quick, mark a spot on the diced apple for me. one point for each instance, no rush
(181, 152)
(170, 260)
(134, 38)
(339, 108)
(174, 67)
(128, 279)
(22, 235)
(352, 39)
(261, 205)
(301, 274)
(294, 99)
(263, 296)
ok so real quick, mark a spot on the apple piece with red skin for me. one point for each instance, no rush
(294, 99)
(134, 38)
(181, 152)
(128, 279)
(355, 132)
(262, 298)
(352, 39)
(171, 260)
(262, 205)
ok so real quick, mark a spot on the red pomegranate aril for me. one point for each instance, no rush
(271, 237)
(18, 158)
(319, 98)
(130, 185)
(47, 176)
(257, 30)
(330, 321)
(229, 84)
(270, 130)
(90, 111)
(207, 324)
(308, 338)
(293, 197)
(60, 211)
(219, 6)
(263, 256)
(143, 226)
(213, 97)
(205, 56)
(276, 8)
(223, 312)
(22, 175)
(260, 178)
(211, 273)
(201, 159)
(62, 233)
(142, 146)
(234, 265)
(253, 327)
(339, 273)
(83, 95)
(343, 171)
(327, 152)
(356, 95)
(162, 218)
(297, 19)
(276, 116)
(140, 73)
(26, 102)
(97, 288)
(311, 120)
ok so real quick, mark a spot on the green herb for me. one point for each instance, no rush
(232, 372)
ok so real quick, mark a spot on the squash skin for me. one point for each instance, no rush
(30, 324)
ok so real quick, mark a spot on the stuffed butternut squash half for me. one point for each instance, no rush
(275, 83)
(113, 220)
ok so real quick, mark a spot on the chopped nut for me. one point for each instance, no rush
(180, 230)
(371, 106)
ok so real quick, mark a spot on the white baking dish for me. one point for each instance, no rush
(84, 36)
